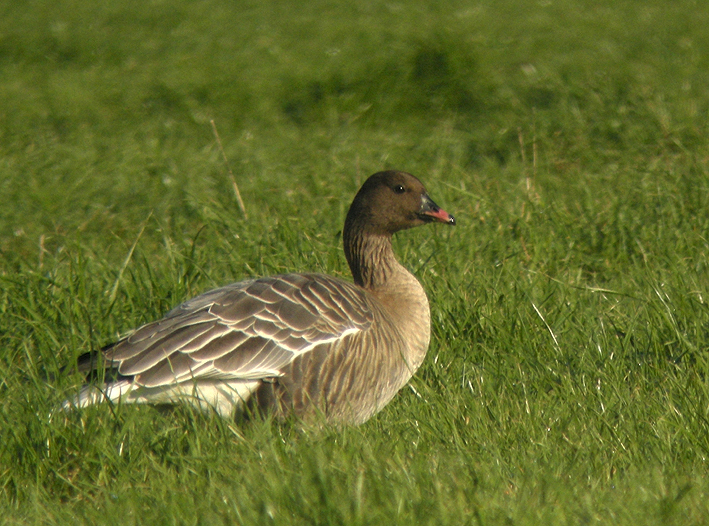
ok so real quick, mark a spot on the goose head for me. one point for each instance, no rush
(392, 201)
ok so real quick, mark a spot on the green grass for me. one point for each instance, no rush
(567, 380)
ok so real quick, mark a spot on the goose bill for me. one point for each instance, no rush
(430, 211)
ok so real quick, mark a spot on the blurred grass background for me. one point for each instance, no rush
(566, 381)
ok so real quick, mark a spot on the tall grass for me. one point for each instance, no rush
(567, 376)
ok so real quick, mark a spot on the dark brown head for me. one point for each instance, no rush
(386, 203)
(392, 201)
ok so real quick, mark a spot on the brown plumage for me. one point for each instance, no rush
(307, 344)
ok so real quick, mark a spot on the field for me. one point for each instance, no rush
(567, 380)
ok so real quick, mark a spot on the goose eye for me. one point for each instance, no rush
(399, 189)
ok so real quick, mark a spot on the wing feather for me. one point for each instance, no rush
(168, 371)
(217, 347)
(166, 326)
(162, 348)
(249, 330)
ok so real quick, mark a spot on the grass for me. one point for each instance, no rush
(566, 381)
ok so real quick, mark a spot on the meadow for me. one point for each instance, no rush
(566, 382)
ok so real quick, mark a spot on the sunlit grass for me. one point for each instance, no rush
(566, 381)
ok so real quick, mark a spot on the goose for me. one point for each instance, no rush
(291, 344)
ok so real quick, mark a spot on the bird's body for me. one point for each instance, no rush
(306, 344)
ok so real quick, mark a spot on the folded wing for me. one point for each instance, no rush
(248, 331)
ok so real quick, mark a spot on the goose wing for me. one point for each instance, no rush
(249, 330)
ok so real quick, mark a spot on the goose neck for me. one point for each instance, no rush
(371, 258)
